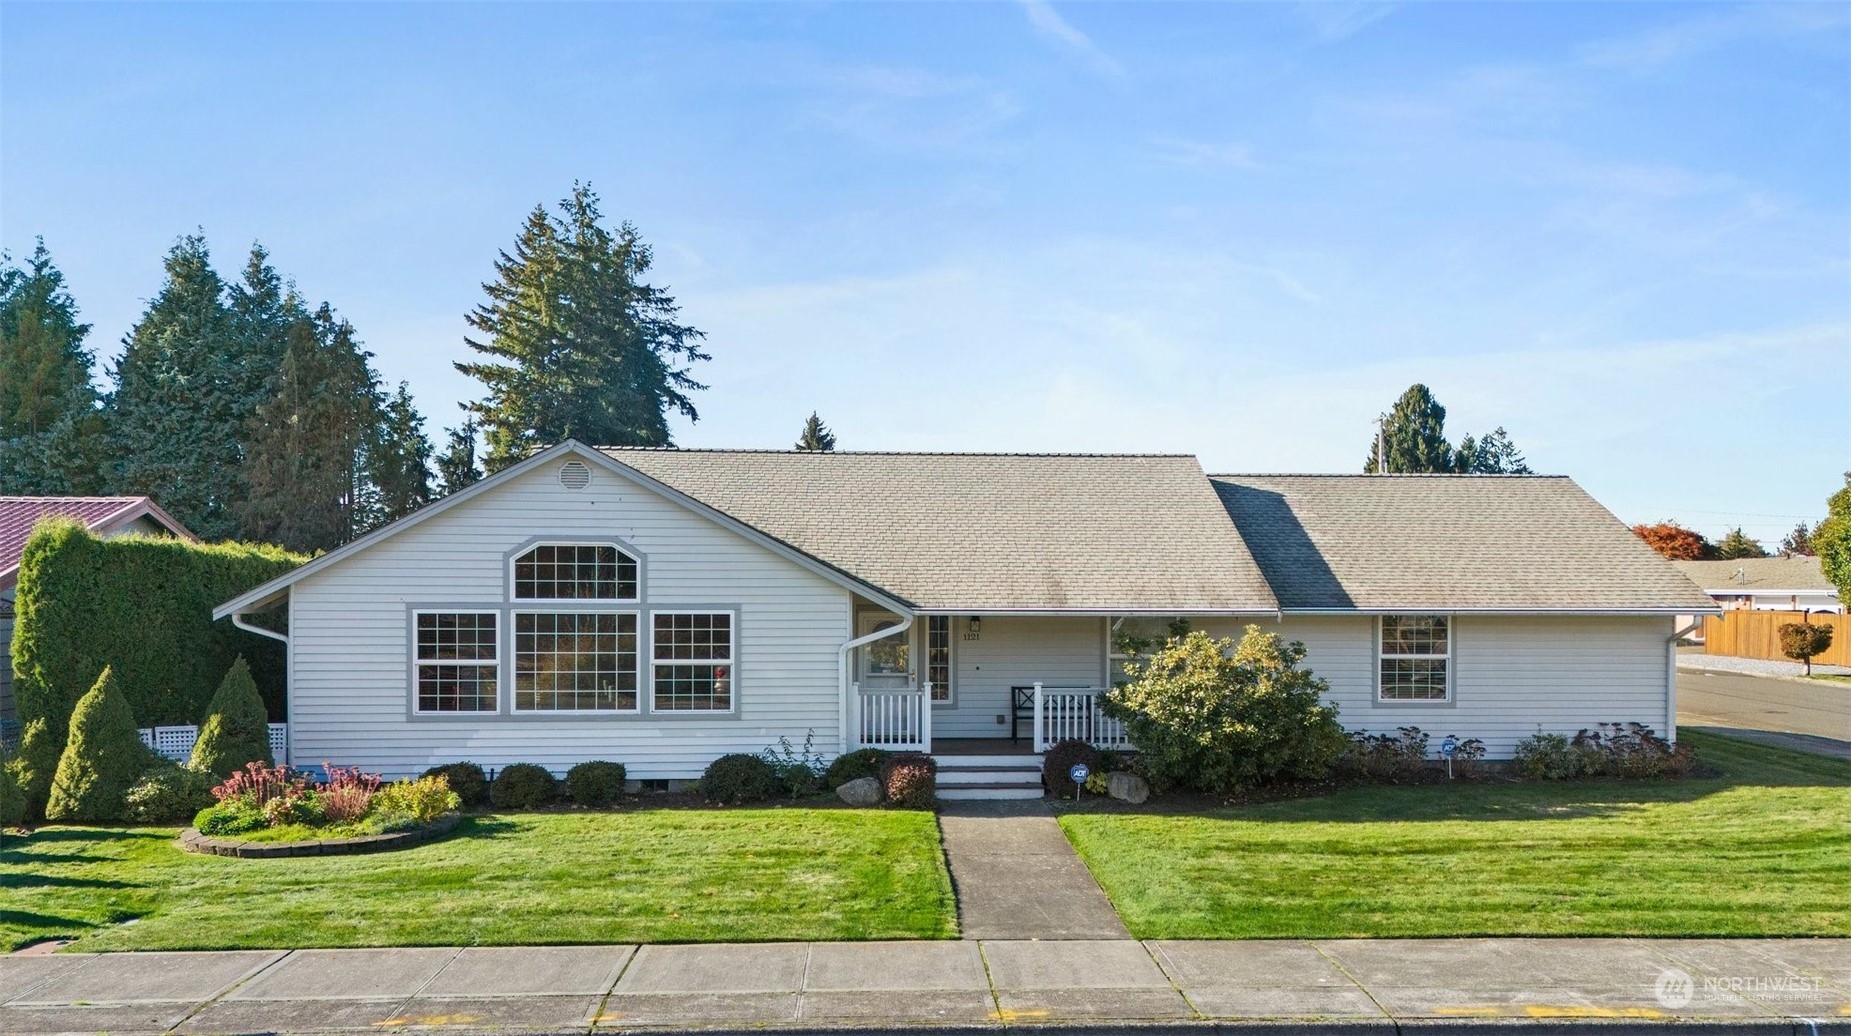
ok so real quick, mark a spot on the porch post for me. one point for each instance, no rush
(854, 716)
(925, 718)
(1038, 745)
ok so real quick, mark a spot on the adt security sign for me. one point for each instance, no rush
(1079, 772)
(1447, 748)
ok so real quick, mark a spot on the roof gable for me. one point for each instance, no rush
(1447, 543)
(989, 532)
(19, 515)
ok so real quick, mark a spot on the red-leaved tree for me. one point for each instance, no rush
(1675, 542)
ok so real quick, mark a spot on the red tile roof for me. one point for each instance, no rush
(18, 514)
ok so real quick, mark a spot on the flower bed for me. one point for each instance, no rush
(278, 811)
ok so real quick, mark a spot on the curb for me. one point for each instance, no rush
(1692, 667)
(194, 842)
(1300, 1027)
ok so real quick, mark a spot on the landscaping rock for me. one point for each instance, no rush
(1127, 787)
(862, 791)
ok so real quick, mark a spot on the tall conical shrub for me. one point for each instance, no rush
(12, 803)
(237, 728)
(102, 758)
(35, 765)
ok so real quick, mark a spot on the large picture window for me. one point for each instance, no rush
(938, 656)
(692, 654)
(1416, 651)
(575, 572)
(575, 662)
(457, 662)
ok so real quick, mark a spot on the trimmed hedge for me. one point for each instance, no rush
(595, 783)
(466, 779)
(862, 762)
(736, 779)
(236, 731)
(142, 606)
(522, 786)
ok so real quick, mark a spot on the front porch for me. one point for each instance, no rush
(901, 720)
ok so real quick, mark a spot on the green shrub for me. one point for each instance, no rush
(595, 783)
(36, 765)
(1210, 716)
(738, 778)
(141, 605)
(1549, 757)
(237, 728)
(1801, 641)
(799, 771)
(12, 800)
(102, 758)
(168, 794)
(424, 799)
(1393, 757)
(232, 817)
(910, 780)
(1057, 766)
(521, 786)
(1630, 750)
(466, 779)
(863, 762)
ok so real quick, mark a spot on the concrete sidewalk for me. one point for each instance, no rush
(1017, 876)
(1402, 986)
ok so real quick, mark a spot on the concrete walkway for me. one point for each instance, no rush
(1017, 876)
(1391, 986)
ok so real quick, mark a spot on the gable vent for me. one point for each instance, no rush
(574, 475)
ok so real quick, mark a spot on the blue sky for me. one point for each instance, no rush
(1621, 231)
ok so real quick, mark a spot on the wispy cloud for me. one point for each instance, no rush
(1201, 153)
(1679, 40)
(1050, 26)
(908, 109)
(1337, 21)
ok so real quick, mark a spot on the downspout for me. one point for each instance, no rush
(1696, 623)
(906, 622)
(237, 619)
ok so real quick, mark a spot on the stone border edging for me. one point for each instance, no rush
(194, 842)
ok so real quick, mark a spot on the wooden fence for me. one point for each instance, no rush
(1752, 634)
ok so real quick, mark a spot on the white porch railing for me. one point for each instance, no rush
(898, 720)
(176, 743)
(1075, 714)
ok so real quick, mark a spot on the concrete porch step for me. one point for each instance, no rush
(989, 775)
(1018, 761)
(966, 792)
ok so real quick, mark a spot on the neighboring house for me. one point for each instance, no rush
(104, 515)
(1765, 584)
(664, 607)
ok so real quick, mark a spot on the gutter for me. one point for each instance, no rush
(906, 623)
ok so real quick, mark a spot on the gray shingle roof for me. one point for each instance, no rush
(1758, 575)
(1447, 543)
(989, 532)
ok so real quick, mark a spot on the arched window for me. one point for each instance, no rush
(575, 572)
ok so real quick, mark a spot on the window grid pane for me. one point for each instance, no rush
(575, 661)
(456, 688)
(1413, 679)
(695, 642)
(464, 636)
(1415, 652)
(938, 656)
(1414, 635)
(575, 572)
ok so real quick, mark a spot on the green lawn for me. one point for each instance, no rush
(1764, 849)
(643, 876)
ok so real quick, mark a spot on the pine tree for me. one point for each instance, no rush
(816, 437)
(579, 346)
(398, 460)
(50, 428)
(456, 465)
(179, 409)
(237, 728)
(1413, 436)
(1738, 544)
(306, 462)
(1491, 454)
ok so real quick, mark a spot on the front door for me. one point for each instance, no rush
(886, 664)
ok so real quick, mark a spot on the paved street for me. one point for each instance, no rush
(1386, 985)
(1819, 709)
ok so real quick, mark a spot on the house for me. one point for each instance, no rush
(1765, 584)
(664, 607)
(104, 515)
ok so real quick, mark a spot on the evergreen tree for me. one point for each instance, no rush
(237, 728)
(578, 345)
(816, 437)
(1413, 436)
(50, 428)
(102, 758)
(1738, 544)
(456, 465)
(1491, 454)
(398, 460)
(180, 407)
(306, 464)
(36, 764)
(1798, 543)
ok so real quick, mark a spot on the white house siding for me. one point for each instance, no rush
(1512, 675)
(1016, 650)
(349, 664)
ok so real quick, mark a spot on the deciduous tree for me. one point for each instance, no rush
(1797, 543)
(1675, 542)
(1832, 539)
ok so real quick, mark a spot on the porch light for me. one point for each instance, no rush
(976, 624)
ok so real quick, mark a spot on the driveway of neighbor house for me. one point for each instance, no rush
(1774, 985)
(1811, 716)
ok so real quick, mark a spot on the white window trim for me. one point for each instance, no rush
(731, 661)
(1452, 629)
(589, 603)
(950, 700)
(417, 664)
(514, 615)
